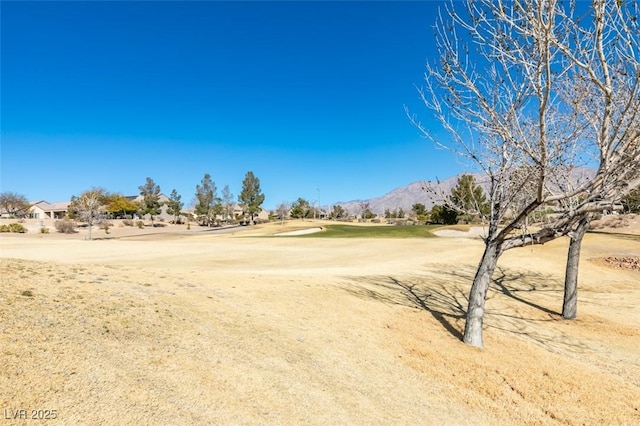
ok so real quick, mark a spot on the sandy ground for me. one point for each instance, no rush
(473, 232)
(242, 328)
(298, 232)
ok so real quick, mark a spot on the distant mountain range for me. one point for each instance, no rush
(417, 192)
(403, 197)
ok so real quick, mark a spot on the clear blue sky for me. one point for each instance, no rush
(307, 95)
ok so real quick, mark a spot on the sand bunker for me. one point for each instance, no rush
(474, 232)
(299, 232)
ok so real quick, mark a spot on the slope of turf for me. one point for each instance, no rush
(391, 231)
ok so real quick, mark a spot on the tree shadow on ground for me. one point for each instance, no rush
(444, 302)
(621, 235)
(442, 291)
(514, 283)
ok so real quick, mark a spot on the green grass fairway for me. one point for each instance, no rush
(391, 231)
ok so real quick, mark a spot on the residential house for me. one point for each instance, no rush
(163, 210)
(45, 210)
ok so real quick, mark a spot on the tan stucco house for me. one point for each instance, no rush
(45, 210)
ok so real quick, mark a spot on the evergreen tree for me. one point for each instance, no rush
(631, 202)
(419, 209)
(444, 215)
(300, 209)
(206, 197)
(468, 196)
(174, 205)
(150, 203)
(251, 197)
(337, 212)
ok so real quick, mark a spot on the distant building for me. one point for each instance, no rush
(45, 210)
(163, 210)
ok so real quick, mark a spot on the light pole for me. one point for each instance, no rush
(318, 200)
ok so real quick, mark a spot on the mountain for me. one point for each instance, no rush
(403, 197)
(418, 192)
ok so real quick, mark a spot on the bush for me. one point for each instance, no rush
(13, 227)
(44, 230)
(16, 227)
(140, 224)
(127, 222)
(65, 226)
(106, 227)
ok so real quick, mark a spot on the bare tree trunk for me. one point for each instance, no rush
(478, 295)
(570, 305)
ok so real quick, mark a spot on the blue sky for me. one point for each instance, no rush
(307, 95)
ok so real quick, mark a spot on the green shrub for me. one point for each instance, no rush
(140, 224)
(44, 230)
(16, 227)
(13, 227)
(65, 226)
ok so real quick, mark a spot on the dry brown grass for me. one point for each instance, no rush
(227, 329)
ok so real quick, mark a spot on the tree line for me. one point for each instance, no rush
(96, 204)
(469, 205)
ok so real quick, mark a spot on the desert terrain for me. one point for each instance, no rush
(171, 326)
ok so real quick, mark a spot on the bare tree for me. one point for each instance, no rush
(90, 207)
(14, 204)
(529, 91)
(227, 203)
(283, 211)
(570, 299)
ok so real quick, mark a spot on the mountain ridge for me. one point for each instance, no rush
(403, 197)
(416, 192)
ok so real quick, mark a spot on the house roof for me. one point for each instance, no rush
(139, 197)
(59, 206)
(42, 204)
(51, 207)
